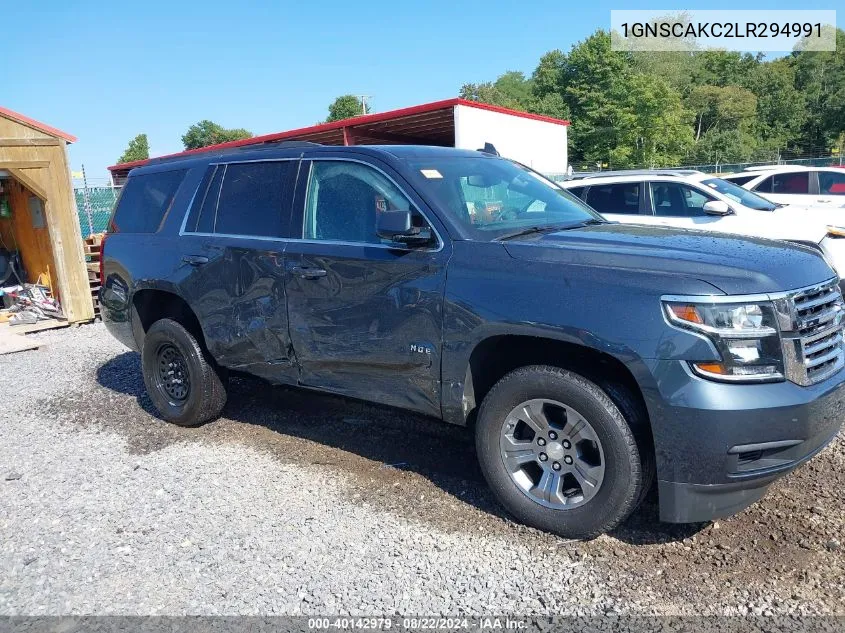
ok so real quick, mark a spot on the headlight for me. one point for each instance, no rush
(745, 334)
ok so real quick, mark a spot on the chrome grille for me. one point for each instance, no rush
(817, 320)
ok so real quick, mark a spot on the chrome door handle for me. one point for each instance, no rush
(308, 273)
(195, 260)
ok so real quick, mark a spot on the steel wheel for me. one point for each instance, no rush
(172, 377)
(552, 454)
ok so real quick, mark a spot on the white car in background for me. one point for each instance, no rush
(794, 185)
(694, 200)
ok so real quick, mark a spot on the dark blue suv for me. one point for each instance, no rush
(588, 356)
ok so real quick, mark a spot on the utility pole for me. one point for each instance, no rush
(364, 102)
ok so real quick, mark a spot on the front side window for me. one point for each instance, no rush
(787, 183)
(616, 198)
(832, 183)
(674, 199)
(344, 200)
(491, 197)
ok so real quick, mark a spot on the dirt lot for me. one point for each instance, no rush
(295, 503)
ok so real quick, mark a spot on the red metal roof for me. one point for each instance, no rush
(41, 127)
(430, 122)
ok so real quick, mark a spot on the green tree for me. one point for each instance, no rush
(138, 149)
(781, 110)
(207, 133)
(510, 90)
(820, 76)
(660, 124)
(594, 86)
(718, 108)
(346, 107)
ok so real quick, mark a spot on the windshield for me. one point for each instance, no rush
(738, 194)
(491, 197)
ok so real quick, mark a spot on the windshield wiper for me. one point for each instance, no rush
(548, 229)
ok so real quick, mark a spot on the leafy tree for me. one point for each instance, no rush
(632, 107)
(780, 106)
(721, 108)
(820, 76)
(207, 133)
(138, 149)
(510, 90)
(346, 107)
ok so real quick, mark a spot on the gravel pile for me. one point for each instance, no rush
(301, 504)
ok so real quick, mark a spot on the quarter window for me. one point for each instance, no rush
(145, 201)
(344, 200)
(673, 199)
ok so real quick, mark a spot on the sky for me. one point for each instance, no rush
(106, 71)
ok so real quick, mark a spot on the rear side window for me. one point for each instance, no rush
(145, 201)
(242, 199)
(576, 191)
(617, 198)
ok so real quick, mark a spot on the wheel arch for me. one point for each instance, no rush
(495, 356)
(153, 303)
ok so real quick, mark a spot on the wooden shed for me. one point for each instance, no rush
(38, 217)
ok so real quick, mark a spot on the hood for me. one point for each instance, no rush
(733, 264)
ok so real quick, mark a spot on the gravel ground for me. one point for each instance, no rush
(295, 503)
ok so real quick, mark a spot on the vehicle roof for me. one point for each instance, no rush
(297, 149)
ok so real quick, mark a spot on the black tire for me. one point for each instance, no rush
(626, 469)
(205, 388)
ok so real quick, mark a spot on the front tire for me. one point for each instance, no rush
(558, 454)
(186, 386)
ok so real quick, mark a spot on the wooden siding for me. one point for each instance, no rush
(44, 170)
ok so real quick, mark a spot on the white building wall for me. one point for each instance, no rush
(539, 144)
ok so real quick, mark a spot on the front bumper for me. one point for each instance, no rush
(719, 446)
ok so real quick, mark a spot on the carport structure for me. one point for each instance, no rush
(42, 224)
(536, 140)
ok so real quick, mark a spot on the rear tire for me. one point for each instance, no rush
(558, 454)
(184, 383)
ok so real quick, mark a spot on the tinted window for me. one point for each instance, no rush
(201, 217)
(673, 199)
(251, 199)
(145, 200)
(616, 198)
(344, 199)
(832, 183)
(576, 191)
(740, 180)
(789, 182)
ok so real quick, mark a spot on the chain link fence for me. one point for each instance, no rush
(94, 206)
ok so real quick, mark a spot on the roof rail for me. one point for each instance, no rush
(277, 144)
(228, 150)
(636, 172)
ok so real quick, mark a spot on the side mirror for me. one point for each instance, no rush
(398, 226)
(716, 207)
